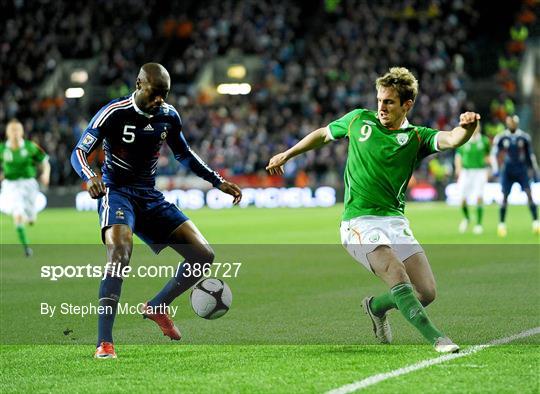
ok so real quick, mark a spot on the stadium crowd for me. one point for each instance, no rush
(319, 63)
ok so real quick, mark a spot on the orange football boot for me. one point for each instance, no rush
(164, 322)
(105, 350)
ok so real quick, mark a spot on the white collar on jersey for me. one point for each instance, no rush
(516, 133)
(405, 124)
(137, 109)
(20, 144)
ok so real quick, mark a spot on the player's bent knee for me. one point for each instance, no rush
(120, 253)
(207, 255)
(427, 296)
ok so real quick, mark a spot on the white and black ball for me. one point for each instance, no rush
(211, 298)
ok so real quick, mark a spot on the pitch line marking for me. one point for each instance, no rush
(374, 379)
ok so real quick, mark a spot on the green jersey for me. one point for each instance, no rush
(473, 153)
(20, 163)
(380, 162)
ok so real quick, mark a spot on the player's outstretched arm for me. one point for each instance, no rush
(468, 122)
(313, 140)
(233, 189)
(183, 153)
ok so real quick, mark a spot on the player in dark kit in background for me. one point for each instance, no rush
(512, 158)
(133, 129)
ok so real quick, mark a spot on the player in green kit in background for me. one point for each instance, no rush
(471, 165)
(384, 150)
(19, 161)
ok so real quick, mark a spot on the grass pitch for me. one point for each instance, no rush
(295, 324)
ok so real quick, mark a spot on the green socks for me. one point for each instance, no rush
(479, 214)
(465, 210)
(414, 312)
(381, 304)
(22, 236)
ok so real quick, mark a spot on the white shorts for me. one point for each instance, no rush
(471, 183)
(362, 235)
(19, 197)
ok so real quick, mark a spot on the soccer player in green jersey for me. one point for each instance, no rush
(384, 149)
(471, 162)
(19, 160)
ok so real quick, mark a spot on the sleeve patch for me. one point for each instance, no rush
(87, 143)
(329, 133)
(436, 142)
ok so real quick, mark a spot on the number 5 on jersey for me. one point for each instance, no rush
(128, 136)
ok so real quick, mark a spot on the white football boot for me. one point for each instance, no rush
(478, 229)
(463, 226)
(445, 345)
(381, 325)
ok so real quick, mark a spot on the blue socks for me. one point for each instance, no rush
(534, 211)
(182, 281)
(109, 294)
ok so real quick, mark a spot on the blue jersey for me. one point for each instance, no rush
(512, 151)
(131, 141)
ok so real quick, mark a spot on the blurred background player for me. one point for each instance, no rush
(384, 149)
(471, 165)
(512, 159)
(20, 161)
(132, 129)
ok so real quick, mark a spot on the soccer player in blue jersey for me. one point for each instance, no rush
(513, 158)
(132, 130)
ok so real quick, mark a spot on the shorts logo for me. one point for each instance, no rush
(407, 233)
(374, 237)
(120, 214)
(164, 134)
(402, 138)
(87, 143)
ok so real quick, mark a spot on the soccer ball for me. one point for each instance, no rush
(211, 298)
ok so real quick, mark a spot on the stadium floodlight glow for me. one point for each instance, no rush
(236, 71)
(79, 76)
(234, 88)
(74, 92)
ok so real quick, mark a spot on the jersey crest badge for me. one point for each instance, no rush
(402, 138)
(87, 143)
(120, 214)
(164, 134)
